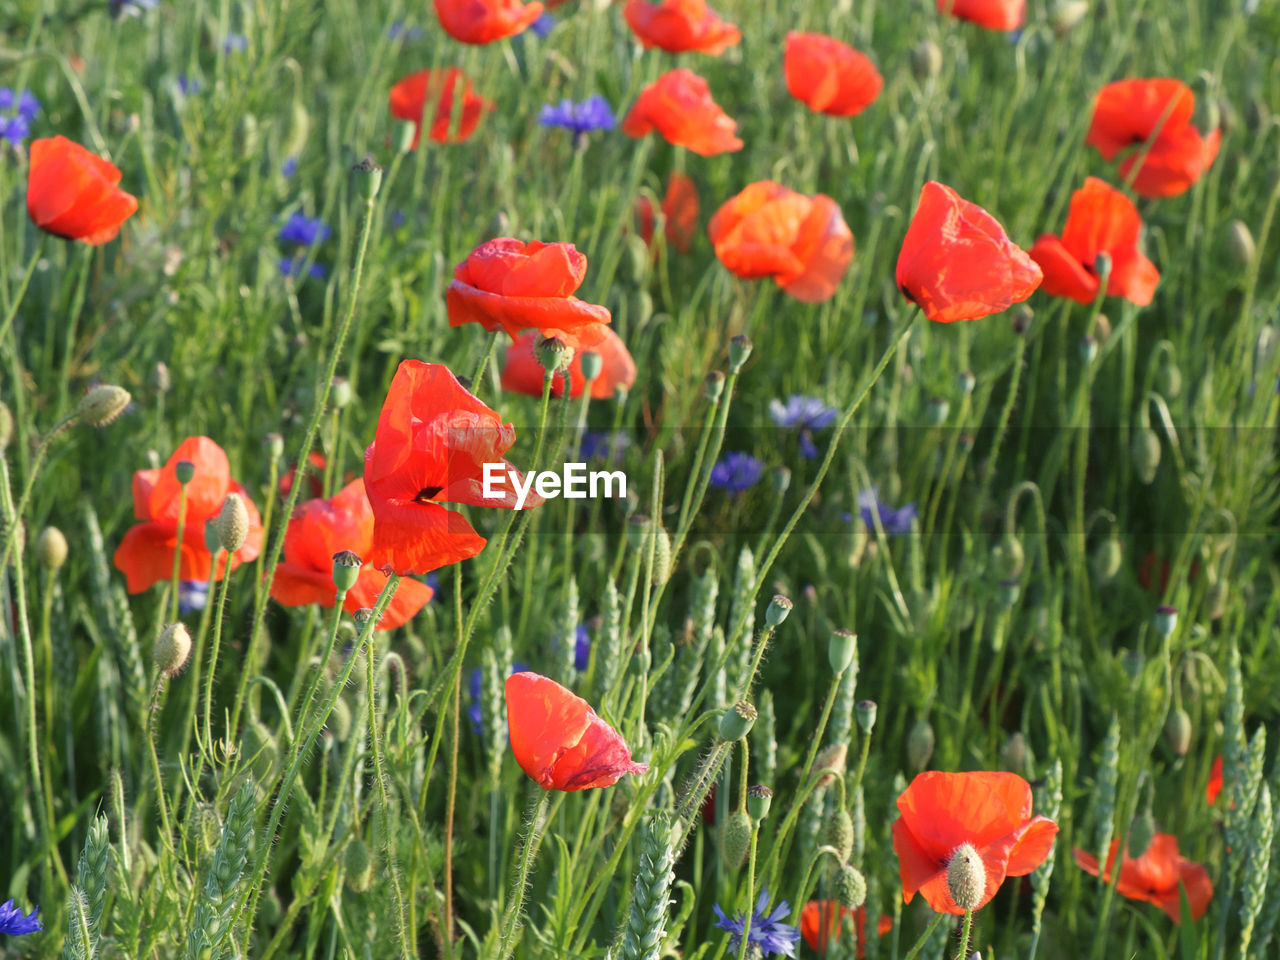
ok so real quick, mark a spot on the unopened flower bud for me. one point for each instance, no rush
(1141, 832)
(346, 570)
(1240, 243)
(777, 611)
(1145, 454)
(160, 380)
(759, 797)
(740, 348)
(275, 445)
(1168, 377)
(1007, 558)
(735, 839)
(920, 742)
(839, 833)
(592, 365)
(926, 60)
(865, 711)
(966, 877)
(172, 649)
(1107, 557)
(1177, 731)
(233, 523)
(101, 405)
(184, 471)
(714, 385)
(851, 887)
(51, 548)
(830, 762)
(1065, 14)
(1165, 620)
(736, 722)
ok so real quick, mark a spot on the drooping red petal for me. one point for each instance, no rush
(1064, 275)
(73, 193)
(678, 105)
(829, 76)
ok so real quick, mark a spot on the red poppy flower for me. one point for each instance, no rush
(318, 530)
(559, 741)
(992, 14)
(1156, 876)
(432, 443)
(484, 21)
(73, 193)
(679, 106)
(991, 811)
(819, 925)
(145, 555)
(1214, 786)
(314, 475)
(678, 26)
(523, 372)
(829, 76)
(679, 213)
(1128, 112)
(509, 285)
(956, 261)
(411, 97)
(1101, 220)
(770, 231)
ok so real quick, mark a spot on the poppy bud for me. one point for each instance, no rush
(714, 385)
(851, 887)
(661, 556)
(51, 548)
(1101, 327)
(6, 426)
(1133, 662)
(184, 471)
(865, 711)
(842, 647)
(830, 763)
(926, 60)
(966, 381)
(1013, 755)
(780, 479)
(370, 175)
(1165, 620)
(740, 348)
(966, 877)
(554, 354)
(1066, 14)
(1007, 558)
(735, 839)
(920, 745)
(346, 570)
(1088, 350)
(1168, 377)
(275, 445)
(839, 833)
(592, 365)
(101, 405)
(1102, 266)
(1107, 557)
(172, 649)
(936, 411)
(1240, 243)
(358, 866)
(1022, 318)
(777, 611)
(1145, 454)
(233, 523)
(1141, 832)
(1215, 600)
(736, 722)
(759, 797)
(160, 380)
(340, 392)
(1177, 732)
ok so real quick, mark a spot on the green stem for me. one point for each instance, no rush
(964, 935)
(177, 553)
(924, 937)
(220, 601)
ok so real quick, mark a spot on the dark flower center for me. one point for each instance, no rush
(426, 494)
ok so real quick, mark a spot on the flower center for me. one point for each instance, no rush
(426, 494)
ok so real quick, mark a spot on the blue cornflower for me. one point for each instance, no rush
(130, 8)
(188, 85)
(598, 444)
(805, 413)
(396, 219)
(544, 24)
(593, 113)
(475, 684)
(304, 231)
(292, 266)
(15, 924)
(736, 472)
(767, 932)
(289, 167)
(582, 648)
(22, 109)
(235, 43)
(398, 29)
(895, 522)
(193, 595)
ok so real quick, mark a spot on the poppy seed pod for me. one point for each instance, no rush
(1066, 14)
(1240, 243)
(780, 480)
(212, 539)
(851, 887)
(759, 797)
(340, 394)
(865, 711)
(926, 60)
(1177, 731)
(184, 471)
(102, 404)
(920, 741)
(346, 570)
(736, 722)
(966, 381)
(233, 523)
(777, 611)
(740, 348)
(936, 411)
(406, 138)
(1165, 620)
(1088, 350)
(714, 385)
(172, 649)
(966, 877)
(592, 364)
(842, 647)
(51, 548)
(275, 445)
(1102, 265)
(839, 833)
(369, 174)
(554, 354)
(735, 839)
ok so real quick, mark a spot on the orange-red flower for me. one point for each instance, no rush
(956, 261)
(318, 530)
(679, 106)
(433, 92)
(1214, 786)
(770, 231)
(819, 925)
(992, 14)
(1128, 112)
(432, 442)
(145, 555)
(1156, 876)
(1101, 220)
(991, 811)
(484, 21)
(73, 193)
(829, 76)
(505, 284)
(313, 474)
(524, 373)
(678, 26)
(679, 213)
(559, 741)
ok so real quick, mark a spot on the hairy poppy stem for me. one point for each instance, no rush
(220, 602)
(532, 840)
(22, 290)
(964, 935)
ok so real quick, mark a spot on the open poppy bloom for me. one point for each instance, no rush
(484, 21)
(829, 76)
(956, 261)
(770, 231)
(990, 811)
(559, 741)
(1156, 876)
(318, 530)
(428, 96)
(1128, 112)
(73, 193)
(679, 106)
(1214, 786)
(506, 284)
(678, 26)
(822, 921)
(431, 445)
(679, 213)
(524, 373)
(145, 555)
(1101, 220)
(992, 14)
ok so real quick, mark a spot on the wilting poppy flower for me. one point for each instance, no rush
(956, 261)
(770, 231)
(145, 555)
(819, 925)
(524, 373)
(679, 213)
(506, 284)
(1128, 112)
(990, 811)
(73, 193)
(318, 530)
(1214, 786)
(559, 741)
(678, 26)
(432, 442)
(992, 14)
(829, 76)
(679, 106)
(1101, 220)
(484, 21)
(428, 96)
(1156, 876)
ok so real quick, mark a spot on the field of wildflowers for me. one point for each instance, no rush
(922, 357)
